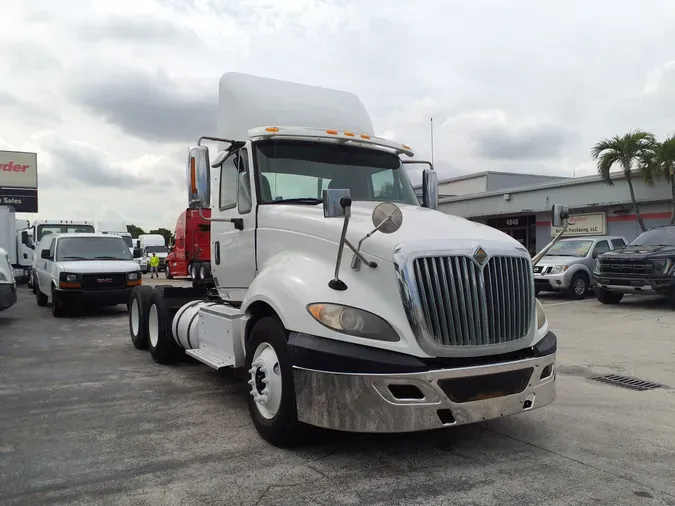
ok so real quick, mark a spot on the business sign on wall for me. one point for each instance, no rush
(584, 224)
(19, 181)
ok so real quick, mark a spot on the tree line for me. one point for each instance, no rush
(136, 231)
(641, 150)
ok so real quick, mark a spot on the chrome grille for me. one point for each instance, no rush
(464, 305)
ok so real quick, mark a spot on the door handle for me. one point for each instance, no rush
(217, 252)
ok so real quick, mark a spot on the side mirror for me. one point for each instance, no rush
(45, 255)
(138, 253)
(558, 215)
(430, 188)
(199, 177)
(336, 202)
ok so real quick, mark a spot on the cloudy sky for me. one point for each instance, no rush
(110, 94)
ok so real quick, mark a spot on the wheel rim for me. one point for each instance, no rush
(579, 286)
(202, 273)
(192, 271)
(153, 326)
(166, 272)
(135, 317)
(266, 384)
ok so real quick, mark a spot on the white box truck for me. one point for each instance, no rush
(154, 243)
(348, 304)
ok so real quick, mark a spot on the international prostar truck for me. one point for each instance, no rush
(190, 253)
(345, 303)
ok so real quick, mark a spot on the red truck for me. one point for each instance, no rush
(191, 253)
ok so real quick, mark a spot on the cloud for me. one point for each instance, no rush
(137, 30)
(150, 107)
(29, 112)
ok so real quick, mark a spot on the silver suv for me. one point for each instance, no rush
(568, 265)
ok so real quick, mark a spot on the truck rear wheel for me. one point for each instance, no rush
(139, 306)
(271, 399)
(163, 347)
(205, 271)
(607, 297)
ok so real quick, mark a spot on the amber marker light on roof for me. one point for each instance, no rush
(272, 129)
(332, 132)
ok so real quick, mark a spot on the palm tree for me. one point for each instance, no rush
(661, 164)
(634, 148)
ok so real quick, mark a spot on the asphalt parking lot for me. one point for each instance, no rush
(85, 418)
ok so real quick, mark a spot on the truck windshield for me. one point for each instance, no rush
(656, 237)
(300, 171)
(92, 248)
(43, 230)
(578, 248)
(127, 241)
(156, 249)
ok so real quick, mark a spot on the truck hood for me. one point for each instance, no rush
(97, 266)
(558, 260)
(419, 224)
(639, 252)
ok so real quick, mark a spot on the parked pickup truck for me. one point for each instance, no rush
(568, 265)
(84, 269)
(645, 267)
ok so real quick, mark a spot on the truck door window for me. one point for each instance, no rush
(52, 248)
(244, 183)
(600, 248)
(385, 186)
(228, 183)
(618, 243)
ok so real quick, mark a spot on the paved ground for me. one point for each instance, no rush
(87, 419)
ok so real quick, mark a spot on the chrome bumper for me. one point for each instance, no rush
(364, 403)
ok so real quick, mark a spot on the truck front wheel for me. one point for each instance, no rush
(271, 400)
(607, 297)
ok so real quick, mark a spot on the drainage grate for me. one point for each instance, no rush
(626, 382)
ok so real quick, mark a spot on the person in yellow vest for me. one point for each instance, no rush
(154, 263)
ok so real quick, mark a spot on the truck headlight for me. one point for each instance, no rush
(134, 276)
(662, 265)
(596, 268)
(541, 316)
(352, 321)
(68, 278)
(559, 269)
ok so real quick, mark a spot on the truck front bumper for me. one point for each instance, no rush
(663, 285)
(552, 281)
(417, 401)
(94, 297)
(8, 295)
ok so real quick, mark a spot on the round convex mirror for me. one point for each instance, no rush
(388, 217)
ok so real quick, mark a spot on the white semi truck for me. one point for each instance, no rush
(348, 305)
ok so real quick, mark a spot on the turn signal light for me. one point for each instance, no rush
(63, 284)
(272, 129)
(332, 132)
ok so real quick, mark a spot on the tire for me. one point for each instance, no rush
(275, 416)
(163, 347)
(198, 271)
(139, 306)
(167, 272)
(40, 297)
(58, 309)
(193, 271)
(578, 286)
(205, 271)
(607, 297)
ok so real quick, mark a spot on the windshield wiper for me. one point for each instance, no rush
(72, 258)
(107, 258)
(300, 200)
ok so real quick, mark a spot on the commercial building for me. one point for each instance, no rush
(520, 204)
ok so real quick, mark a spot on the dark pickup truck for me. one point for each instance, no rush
(645, 267)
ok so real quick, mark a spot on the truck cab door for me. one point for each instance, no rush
(233, 255)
